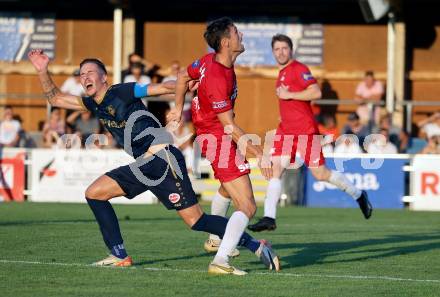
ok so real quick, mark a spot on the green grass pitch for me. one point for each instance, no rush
(46, 249)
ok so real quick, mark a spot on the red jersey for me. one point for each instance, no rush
(296, 116)
(216, 93)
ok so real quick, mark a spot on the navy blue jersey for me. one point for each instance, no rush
(117, 110)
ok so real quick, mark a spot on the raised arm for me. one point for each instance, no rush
(181, 88)
(311, 93)
(227, 120)
(53, 94)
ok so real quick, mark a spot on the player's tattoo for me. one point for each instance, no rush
(52, 93)
(49, 88)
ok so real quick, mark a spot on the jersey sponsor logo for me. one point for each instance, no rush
(195, 64)
(111, 110)
(112, 124)
(174, 197)
(307, 76)
(219, 104)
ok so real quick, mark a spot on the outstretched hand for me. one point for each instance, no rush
(265, 165)
(39, 59)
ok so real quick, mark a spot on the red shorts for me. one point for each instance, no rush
(305, 147)
(226, 161)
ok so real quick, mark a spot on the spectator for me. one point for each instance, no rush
(430, 126)
(25, 140)
(380, 143)
(355, 127)
(347, 144)
(433, 146)
(53, 128)
(394, 132)
(84, 124)
(148, 70)
(72, 85)
(9, 129)
(369, 89)
(136, 74)
(175, 68)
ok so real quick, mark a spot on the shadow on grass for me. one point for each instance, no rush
(317, 252)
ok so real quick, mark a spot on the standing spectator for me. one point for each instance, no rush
(354, 126)
(369, 89)
(149, 68)
(380, 144)
(84, 124)
(9, 129)
(431, 125)
(72, 85)
(137, 70)
(53, 128)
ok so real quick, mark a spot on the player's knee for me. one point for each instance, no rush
(95, 192)
(249, 209)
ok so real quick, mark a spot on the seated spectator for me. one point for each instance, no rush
(369, 89)
(53, 128)
(430, 126)
(72, 85)
(25, 140)
(84, 124)
(9, 129)
(354, 126)
(137, 75)
(385, 122)
(433, 146)
(347, 144)
(380, 144)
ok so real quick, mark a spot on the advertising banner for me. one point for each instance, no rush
(64, 175)
(425, 182)
(21, 33)
(12, 175)
(384, 182)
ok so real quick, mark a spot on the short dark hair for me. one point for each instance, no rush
(369, 73)
(282, 38)
(97, 62)
(8, 106)
(216, 30)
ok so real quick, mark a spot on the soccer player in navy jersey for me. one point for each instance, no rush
(159, 166)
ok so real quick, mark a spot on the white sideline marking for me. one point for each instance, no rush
(287, 274)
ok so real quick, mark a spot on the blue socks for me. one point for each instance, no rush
(217, 225)
(109, 226)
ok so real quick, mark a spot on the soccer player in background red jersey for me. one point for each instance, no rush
(218, 135)
(297, 133)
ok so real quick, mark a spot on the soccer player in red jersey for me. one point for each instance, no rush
(297, 133)
(218, 134)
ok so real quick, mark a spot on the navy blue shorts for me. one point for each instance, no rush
(161, 178)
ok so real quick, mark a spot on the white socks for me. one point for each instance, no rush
(339, 180)
(219, 207)
(234, 229)
(272, 197)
